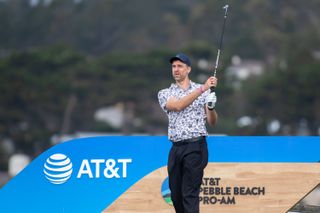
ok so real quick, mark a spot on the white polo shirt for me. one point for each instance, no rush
(190, 122)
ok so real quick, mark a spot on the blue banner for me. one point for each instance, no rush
(87, 175)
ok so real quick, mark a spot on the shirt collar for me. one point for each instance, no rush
(191, 85)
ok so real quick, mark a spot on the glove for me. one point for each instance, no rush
(211, 100)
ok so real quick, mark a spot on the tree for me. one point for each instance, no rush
(34, 95)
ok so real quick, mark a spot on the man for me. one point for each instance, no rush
(185, 105)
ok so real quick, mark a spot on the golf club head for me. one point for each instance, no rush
(225, 7)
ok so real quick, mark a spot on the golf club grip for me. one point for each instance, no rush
(210, 104)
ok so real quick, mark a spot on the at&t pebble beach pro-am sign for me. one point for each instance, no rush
(128, 174)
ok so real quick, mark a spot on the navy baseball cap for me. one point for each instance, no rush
(181, 57)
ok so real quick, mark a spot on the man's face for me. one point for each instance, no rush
(180, 70)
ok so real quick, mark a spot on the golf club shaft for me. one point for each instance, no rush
(212, 89)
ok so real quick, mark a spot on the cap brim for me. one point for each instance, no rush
(175, 58)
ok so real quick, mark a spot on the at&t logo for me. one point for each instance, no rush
(58, 168)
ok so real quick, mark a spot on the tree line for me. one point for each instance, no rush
(62, 61)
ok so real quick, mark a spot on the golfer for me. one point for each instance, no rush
(185, 104)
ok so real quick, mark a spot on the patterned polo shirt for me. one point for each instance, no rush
(190, 122)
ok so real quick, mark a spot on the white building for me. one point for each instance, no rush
(241, 70)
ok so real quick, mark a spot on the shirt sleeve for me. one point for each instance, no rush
(163, 96)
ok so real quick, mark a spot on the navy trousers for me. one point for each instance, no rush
(185, 167)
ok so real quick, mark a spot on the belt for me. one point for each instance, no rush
(200, 139)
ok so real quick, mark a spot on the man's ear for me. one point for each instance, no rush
(189, 69)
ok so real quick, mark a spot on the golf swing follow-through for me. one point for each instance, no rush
(188, 106)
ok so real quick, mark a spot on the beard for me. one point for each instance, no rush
(179, 77)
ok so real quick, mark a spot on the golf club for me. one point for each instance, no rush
(212, 89)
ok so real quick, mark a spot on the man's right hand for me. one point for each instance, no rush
(211, 82)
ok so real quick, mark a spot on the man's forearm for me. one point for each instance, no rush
(175, 104)
(212, 116)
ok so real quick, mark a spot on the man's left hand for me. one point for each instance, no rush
(212, 98)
